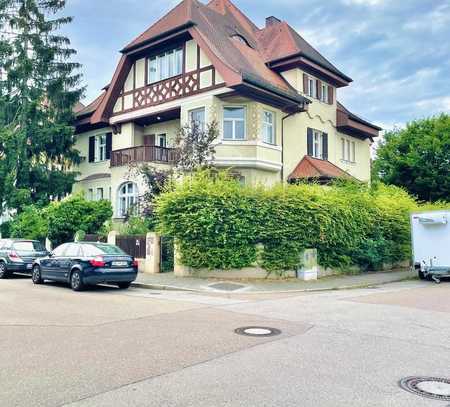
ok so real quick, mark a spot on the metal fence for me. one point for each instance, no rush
(132, 245)
(95, 238)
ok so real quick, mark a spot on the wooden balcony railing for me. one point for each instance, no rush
(142, 154)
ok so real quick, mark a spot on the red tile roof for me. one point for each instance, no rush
(310, 167)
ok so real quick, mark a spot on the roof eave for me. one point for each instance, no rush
(300, 58)
(149, 42)
(289, 98)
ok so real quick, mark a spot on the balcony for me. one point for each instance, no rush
(142, 154)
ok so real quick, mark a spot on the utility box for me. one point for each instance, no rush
(309, 269)
(431, 244)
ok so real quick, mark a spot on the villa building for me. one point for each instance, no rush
(273, 95)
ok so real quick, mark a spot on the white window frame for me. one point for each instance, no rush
(318, 144)
(100, 148)
(166, 65)
(99, 194)
(312, 87)
(348, 150)
(234, 121)
(161, 137)
(90, 194)
(126, 200)
(269, 125)
(324, 96)
(201, 124)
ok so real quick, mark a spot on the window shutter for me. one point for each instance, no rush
(330, 95)
(108, 145)
(310, 142)
(325, 146)
(91, 149)
(319, 90)
(305, 84)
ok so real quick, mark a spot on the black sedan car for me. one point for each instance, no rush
(18, 256)
(85, 263)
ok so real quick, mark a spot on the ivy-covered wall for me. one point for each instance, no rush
(218, 223)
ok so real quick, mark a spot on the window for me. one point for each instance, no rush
(324, 93)
(90, 194)
(73, 250)
(99, 194)
(317, 144)
(127, 198)
(234, 123)
(28, 246)
(162, 140)
(269, 127)
(312, 87)
(59, 251)
(165, 65)
(197, 116)
(100, 148)
(97, 249)
(348, 150)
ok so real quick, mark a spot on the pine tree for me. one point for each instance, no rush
(39, 86)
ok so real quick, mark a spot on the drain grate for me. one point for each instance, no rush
(226, 286)
(257, 331)
(431, 387)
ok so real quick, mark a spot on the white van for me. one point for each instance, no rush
(431, 244)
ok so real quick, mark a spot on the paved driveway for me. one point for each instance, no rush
(107, 347)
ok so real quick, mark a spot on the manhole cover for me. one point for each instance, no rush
(260, 331)
(226, 286)
(431, 387)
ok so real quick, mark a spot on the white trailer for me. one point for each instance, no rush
(431, 244)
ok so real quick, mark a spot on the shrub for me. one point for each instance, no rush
(74, 214)
(218, 223)
(30, 224)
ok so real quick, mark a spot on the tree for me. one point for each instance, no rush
(39, 86)
(417, 158)
(194, 149)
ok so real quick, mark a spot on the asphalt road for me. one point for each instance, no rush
(106, 347)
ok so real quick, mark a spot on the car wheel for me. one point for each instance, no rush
(421, 275)
(36, 276)
(3, 270)
(76, 281)
(124, 286)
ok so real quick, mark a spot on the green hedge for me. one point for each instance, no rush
(218, 223)
(59, 221)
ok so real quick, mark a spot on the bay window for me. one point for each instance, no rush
(268, 127)
(197, 117)
(234, 123)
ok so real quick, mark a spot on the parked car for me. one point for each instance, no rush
(18, 255)
(86, 263)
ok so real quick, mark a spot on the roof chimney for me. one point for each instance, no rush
(272, 21)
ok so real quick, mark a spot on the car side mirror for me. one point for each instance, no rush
(50, 254)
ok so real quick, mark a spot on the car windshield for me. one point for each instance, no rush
(99, 249)
(28, 246)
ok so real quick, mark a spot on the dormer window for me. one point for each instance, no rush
(165, 65)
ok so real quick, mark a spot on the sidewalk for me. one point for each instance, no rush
(168, 281)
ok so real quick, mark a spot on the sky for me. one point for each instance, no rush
(396, 51)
